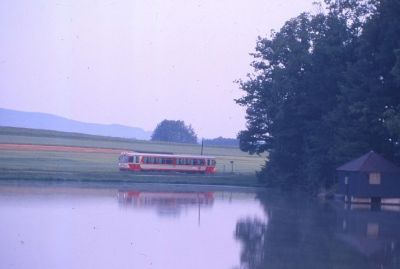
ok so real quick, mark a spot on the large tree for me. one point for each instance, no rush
(292, 90)
(367, 116)
(174, 131)
(323, 91)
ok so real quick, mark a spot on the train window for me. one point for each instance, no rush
(213, 162)
(202, 162)
(168, 161)
(144, 159)
(208, 162)
(130, 159)
(136, 159)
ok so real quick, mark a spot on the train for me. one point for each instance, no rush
(142, 162)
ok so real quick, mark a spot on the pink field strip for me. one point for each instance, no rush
(27, 147)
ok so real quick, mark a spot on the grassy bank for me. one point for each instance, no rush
(77, 166)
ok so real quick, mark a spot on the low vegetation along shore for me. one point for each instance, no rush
(29, 154)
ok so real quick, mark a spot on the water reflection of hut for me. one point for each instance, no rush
(370, 178)
(373, 234)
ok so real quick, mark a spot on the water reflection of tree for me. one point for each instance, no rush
(303, 234)
(251, 231)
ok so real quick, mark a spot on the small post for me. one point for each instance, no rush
(202, 145)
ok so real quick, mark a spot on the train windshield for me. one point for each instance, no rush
(125, 159)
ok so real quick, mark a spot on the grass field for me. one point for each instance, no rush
(63, 165)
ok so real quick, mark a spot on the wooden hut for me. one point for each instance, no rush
(368, 179)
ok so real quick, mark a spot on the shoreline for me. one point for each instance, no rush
(121, 178)
(126, 185)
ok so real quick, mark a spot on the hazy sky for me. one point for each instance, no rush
(134, 62)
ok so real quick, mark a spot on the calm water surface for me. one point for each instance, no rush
(189, 227)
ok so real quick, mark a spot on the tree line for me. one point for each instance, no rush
(325, 89)
(177, 131)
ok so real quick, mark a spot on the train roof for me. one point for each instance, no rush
(167, 155)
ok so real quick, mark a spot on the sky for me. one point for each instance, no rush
(135, 62)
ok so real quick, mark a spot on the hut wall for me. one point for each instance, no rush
(358, 185)
(342, 188)
(355, 181)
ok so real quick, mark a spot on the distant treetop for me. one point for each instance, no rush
(174, 131)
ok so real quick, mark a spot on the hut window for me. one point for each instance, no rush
(374, 178)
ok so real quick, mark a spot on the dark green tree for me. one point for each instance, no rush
(310, 80)
(174, 131)
(293, 88)
(367, 115)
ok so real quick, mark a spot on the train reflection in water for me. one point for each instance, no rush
(166, 203)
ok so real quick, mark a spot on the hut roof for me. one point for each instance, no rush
(370, 162)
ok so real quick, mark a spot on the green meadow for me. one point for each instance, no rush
(60, 165)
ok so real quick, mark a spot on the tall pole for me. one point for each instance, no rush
(202, 145)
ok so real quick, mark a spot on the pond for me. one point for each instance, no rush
(167, 226)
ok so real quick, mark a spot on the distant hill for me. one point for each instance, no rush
(36, 120)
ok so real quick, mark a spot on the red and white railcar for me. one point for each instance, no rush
(136, 161)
